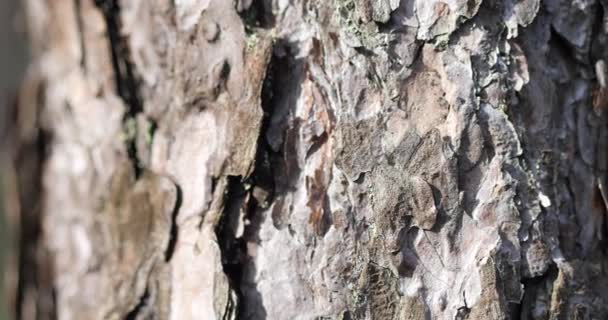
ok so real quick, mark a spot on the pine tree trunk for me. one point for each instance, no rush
(314, 159)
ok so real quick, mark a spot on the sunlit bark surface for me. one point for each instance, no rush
(314, 159)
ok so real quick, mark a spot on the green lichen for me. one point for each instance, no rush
(129, 131)
(149, 131)
(348, 19)
(252, 40)
(441, 41)
(373, 231)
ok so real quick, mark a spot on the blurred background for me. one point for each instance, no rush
(13, 59)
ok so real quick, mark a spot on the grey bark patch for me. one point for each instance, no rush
(381, 11)
(359, 147)
(505, 141)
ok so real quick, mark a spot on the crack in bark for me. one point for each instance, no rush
(127, 86)
(241, 196)
(174, 227)
(230, 245)
(81, 38)
(233, 249)
(143, 302)
(532, 288)
(256, 14)
(34, 280)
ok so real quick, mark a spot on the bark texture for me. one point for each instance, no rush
(316, 159)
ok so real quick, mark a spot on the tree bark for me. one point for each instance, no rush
(340, 159)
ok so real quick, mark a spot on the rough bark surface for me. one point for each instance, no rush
(316, 159)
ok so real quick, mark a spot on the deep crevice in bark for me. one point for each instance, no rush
(248, 195)
(81, 30)
(256, 14)
(143, 302)
(559, 43)
(231, 246)
(127, 85)
(174, 227)
(532, 287)
(35, 277)
(595, 49)
(277, 164)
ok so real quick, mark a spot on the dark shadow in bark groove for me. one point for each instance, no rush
(409, 257)
(127, 85)
(532, 288)
(80, 23)
(239, 268)
(234, 248)
(262, 177)
(35, 273)
(281, 86)
(278, 137)
(256, 14)
(251, 306)
(231, 246)
(174, 227)
(143, 302)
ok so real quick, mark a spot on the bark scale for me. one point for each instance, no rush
(343, 159)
